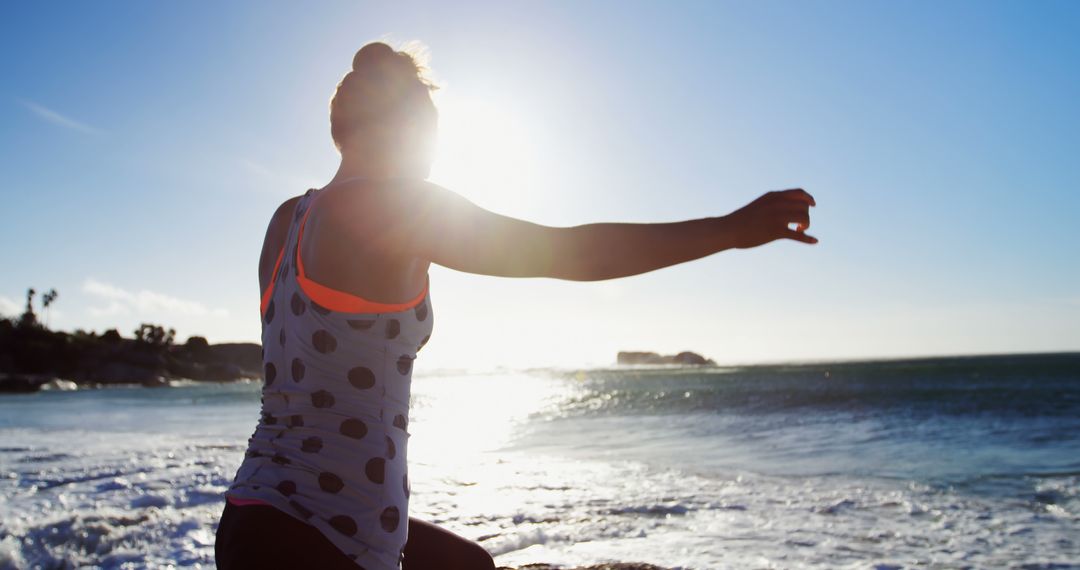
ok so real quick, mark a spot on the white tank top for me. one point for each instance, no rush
(330, 447)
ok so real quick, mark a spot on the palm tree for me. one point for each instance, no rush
(46, 300)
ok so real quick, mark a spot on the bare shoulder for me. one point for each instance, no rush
(278, 228)
(283, 215)
(374, 204)
(384, 192)
(276, 232)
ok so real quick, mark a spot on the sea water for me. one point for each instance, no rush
(945, 463)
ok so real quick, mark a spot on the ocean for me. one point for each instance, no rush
(938, 463)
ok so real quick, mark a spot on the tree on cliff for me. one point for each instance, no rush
(197, 343)
(154, 335)
(46, 300)
(28, 318)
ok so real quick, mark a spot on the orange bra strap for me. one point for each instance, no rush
(341, 301)
(269, 292)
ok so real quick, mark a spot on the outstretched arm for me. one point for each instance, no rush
(455, 233)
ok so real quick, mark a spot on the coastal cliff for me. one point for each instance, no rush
(32, 357)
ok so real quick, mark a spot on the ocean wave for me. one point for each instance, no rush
(1043, 385)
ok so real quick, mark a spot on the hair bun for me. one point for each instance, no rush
(385, 92)
(371, 55)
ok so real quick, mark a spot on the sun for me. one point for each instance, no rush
(484, 150)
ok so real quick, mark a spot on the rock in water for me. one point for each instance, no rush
(60, 385)
(685, 357)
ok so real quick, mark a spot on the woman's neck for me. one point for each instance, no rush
(372, 166)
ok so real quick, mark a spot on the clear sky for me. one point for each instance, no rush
(144, 145)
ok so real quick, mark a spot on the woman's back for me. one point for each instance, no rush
(330, 447)
(355, 241)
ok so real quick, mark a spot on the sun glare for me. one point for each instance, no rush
(483, 150)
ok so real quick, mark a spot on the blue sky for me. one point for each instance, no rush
(144, 146)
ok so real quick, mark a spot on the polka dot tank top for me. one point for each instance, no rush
(330, 445)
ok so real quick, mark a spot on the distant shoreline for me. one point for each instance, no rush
(243, 370)
(874, 360)
(33, 357)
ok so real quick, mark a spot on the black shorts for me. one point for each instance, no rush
(260, 536)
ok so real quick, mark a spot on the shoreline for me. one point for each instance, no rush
(35, 383)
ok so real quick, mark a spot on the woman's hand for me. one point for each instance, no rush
(770, 218)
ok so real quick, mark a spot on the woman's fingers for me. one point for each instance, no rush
(798, 195)
(799, 236)
(780, 214)
(799, 216)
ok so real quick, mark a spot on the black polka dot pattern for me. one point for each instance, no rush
(353, 428)
(323, 341)
(330, 483)
(404, 364)
(361, 378)
(298, 305)
(390, 518)
(311, 444)
(322, 399)
(329, 363)
(344, 524)
(375, 469)
(361, 324)
(286, 487)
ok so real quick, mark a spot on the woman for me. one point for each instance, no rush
(345, 307)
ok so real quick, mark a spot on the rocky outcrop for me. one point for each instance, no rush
(59, 385)
(34, 357)
(683, 358)
(22, 383)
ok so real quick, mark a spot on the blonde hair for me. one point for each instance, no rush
(385, 100)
